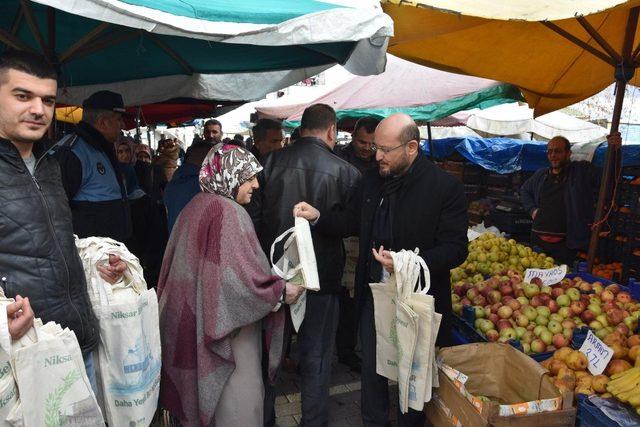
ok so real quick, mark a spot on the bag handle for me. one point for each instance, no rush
(287, 273)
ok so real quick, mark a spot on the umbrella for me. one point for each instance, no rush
(98, 42)
(558, 52)
(424, 93)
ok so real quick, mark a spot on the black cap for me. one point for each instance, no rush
(105, 100)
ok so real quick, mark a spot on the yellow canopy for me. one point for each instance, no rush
(514, 41)
(69, 114)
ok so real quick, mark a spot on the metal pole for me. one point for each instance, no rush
(431, 154)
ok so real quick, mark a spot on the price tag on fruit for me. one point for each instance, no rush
(598, 353)
(549, 276)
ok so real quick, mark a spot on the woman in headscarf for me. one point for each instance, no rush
(216, 295)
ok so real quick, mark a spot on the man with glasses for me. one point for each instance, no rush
(407, 203)
(560, 200)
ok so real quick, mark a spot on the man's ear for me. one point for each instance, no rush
(413, 146)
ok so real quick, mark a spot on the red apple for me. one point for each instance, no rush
(577, 307)
(585, 287)
(537, 281)
(492, 335)
(538, 346)
(506, 289)
(553, 306)
(614, 288)
(607, 295)
(615, 316)
(503, 324)
(587, 316)
(479, 300)
(623, 297)
(514, 304)
(535, 301)
(559, 341)
(493, 317)
(568, 324)
(544, 298)
(623, 329)
(556, 292)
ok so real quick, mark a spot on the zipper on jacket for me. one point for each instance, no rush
(55, 239)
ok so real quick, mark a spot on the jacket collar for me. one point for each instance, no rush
(93, 137)
(39, 148)
(315, 141)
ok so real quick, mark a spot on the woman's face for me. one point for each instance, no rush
(124, 153)
(246, 190)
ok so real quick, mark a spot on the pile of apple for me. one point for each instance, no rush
(569, 367)
(492, 254)
(543, 318)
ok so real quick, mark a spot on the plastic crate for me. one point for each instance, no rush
(498, 180)
(588, 415)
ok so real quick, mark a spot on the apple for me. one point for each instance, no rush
(546, 289)
(492, 335)
(520, 331)
(614, 288)
(537, 281)
(623, 297)
(573, 294)
(546, 337)
(486, 325)
(538, 346)
(587, 316)
(568, 324)
(553, 306)
(505, 312)
(585, 287)
(535, 301)
(595, 325)
(607, 295)
(542, 320)
(623, 329)
(527, 337)
(509, 333)
(530, 312)
(506, 289)
(602, 333)
(557, 317)
(493, 317)
(563, 300)
(577, 307)
(567, 333)
(543, 311)
(559, 341)
(472, 293)
(594, 299)
(531, 290)
(539, 329)
(556, 292)
(526, 347)
(503, 324)
(595, 309)
(565, 312)
(602, 318)
(522, 320)
(457, 308)
(597, 287)
(631, 322)
(514, 304)
(479, 312)
(554, 327)
(544, 298)
(460, 289)
(615, 316)
(465, 301)
(523, 300)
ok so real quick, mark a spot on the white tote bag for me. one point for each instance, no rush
(50, 375)
(129, 355)
(297, 264)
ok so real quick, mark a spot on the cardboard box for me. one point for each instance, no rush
(503, 374)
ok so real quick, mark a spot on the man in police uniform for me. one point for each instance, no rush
(91, 177)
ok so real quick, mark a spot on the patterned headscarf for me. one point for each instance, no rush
(226, 168)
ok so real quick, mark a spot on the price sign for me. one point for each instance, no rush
(548, 276)
(597, 352)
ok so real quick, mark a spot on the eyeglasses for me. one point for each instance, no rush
(384, 150)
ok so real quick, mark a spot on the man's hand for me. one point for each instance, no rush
(20, 317)
(614, 140)
(306, 211)
(384, 258)
(534, 213)
(113, 272)
(292, 293)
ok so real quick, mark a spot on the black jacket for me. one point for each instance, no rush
(429, 213)
(105, 219)
(347, 153)
(38, 255)
(305, 171)
(579, 199)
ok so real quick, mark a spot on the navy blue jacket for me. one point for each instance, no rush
(183, 187)
(579, 199)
